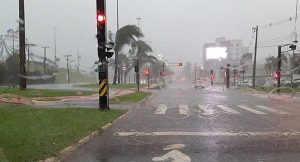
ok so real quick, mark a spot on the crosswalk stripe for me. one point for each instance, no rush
(202, 108)
(227, 109)
(183, 109)
(272, 110)
(251, 110)
(161, 110)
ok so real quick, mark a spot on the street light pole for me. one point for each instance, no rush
(138, 19)
(118, 15)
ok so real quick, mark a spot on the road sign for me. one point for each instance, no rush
(124, 68)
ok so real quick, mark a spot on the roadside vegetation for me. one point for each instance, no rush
(32, 134)
(43, 92)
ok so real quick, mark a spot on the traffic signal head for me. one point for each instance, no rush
(179, 64)
(146, 72)
(100, 18)
(276, 75)
(109, 54)
(293, 47)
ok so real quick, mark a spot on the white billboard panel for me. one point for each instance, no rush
(216, 53)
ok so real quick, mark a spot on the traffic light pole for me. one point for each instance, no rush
(254, 62)
(279, 67)
(227, 75)
(148, 78)
(164, 82)
(137, 72)
(102, 55)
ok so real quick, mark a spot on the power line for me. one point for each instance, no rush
(273, 24)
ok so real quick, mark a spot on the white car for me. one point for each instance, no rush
(199, 84)
(245, 83)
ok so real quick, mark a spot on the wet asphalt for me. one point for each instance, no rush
(185, 133)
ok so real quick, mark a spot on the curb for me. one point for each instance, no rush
(70, 149)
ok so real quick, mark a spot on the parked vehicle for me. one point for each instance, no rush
(199, 84)
(296, 83)
(245, 83)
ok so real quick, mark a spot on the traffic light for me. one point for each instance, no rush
(179, 64)
(293, 47)
(100, 18)
(276, 75)
(146, 71)
(101, 22)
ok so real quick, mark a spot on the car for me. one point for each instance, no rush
(296, 83)
(245, 83)
(199, 84)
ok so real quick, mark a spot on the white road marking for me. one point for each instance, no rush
(205, 111)
(173, 156)
(206, 134)
(174, 146)
(272, 110)
(251, 110)
(183, 109)
(228, 110)
(161, 110)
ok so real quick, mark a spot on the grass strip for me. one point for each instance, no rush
(31, 134)
(44, 92)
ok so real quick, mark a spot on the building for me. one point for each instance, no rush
(222, 52)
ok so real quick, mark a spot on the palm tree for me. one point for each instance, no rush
(124, 36)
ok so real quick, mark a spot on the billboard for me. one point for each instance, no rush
(216, 53)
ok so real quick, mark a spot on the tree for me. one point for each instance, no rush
(124, 36)
(3, 70)
(187, 69)
(12, 64)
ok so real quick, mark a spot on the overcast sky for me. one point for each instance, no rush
(175, 28)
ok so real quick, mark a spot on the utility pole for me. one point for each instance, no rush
(68, 70)
(195, 79)
(45, 58)
(55, 58)
(163, 74)
(22, 79)
(254, 62)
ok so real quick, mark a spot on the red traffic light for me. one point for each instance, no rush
(179, 64)
(100, 18)
(146, 71)
(276, 75)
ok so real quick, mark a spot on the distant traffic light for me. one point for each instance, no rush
(179, 64)
(293, 47)
(146, 71)
(276, 75)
